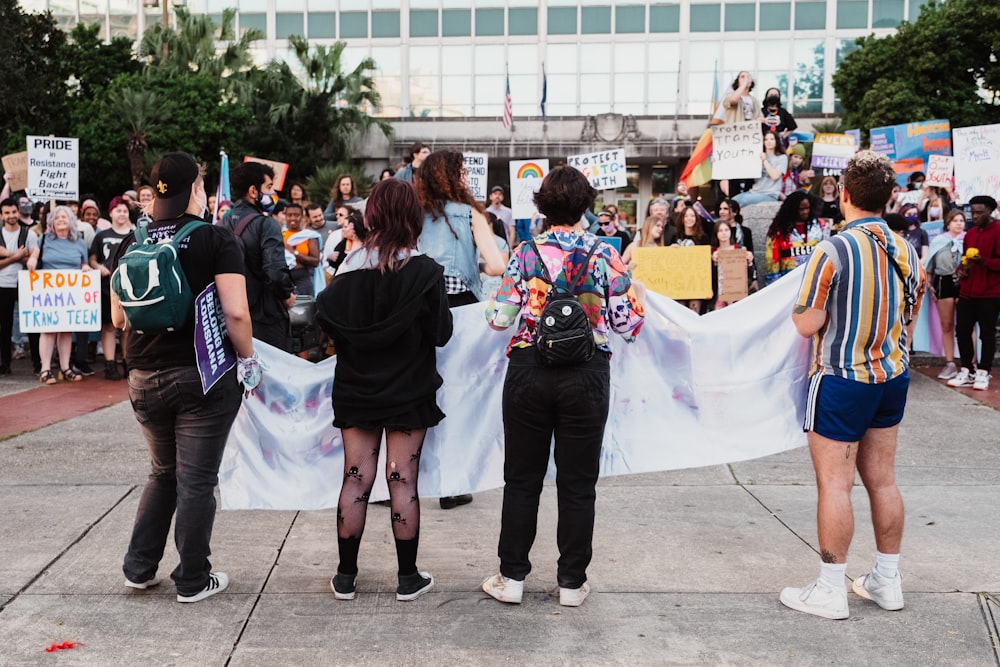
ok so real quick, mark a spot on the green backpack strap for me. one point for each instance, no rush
(186, 231)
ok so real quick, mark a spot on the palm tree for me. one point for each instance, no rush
(139, 112)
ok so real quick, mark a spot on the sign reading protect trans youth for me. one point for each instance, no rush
(53, 169)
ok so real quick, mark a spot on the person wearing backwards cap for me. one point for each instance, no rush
(185, 428)
(503, 214)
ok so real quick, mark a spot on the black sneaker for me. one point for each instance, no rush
(111, 371)
(4, 370)
(450, 502)
(84, 369)
(412, 586)
(342, 586)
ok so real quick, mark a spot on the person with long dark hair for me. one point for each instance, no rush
(793, 234)
(774, 164)
(569, 402)
(386, 311)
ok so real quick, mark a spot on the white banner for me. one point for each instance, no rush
(977, 161)
(477, 167)
(736, 149)
(59, 300)
(525, 179)
(605, 170)
(53, 168)
(691, 391)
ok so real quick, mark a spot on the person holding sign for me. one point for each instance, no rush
(691, 232)
(61, 248)
(650, 236)
(723, 240)
(793, 234)
(774, 163)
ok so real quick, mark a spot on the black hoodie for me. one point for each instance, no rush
(385, 327)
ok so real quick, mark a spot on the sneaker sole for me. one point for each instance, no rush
(198, 597)
(341, 596)
(155, 581)
(791, 600)
(861, 591)
(401, 597)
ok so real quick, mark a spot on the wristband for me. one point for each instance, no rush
(249, 372)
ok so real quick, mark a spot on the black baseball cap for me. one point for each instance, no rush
(496, 188)
(172, 177)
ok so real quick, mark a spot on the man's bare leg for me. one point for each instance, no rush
(834, 462)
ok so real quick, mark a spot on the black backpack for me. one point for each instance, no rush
(563, 336)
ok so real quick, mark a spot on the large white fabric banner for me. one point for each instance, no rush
(690, 392)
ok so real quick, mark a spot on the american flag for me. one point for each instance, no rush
(508, 110)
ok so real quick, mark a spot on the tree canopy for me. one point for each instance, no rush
(943, 65)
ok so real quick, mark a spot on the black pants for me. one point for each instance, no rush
(570, 403)
(968, 313)
(8, 299)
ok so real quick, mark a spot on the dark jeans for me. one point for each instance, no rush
(538, 402)
(8, 297)
(968, 313)
(186, 432)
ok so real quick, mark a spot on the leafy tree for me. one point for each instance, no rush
(96, 64)
(944, 65)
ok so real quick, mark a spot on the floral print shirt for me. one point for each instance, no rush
(606, 294)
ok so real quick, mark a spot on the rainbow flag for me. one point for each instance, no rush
(699, 166)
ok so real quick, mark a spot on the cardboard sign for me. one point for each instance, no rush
(280, 170)
(58, 300)
(477, 167)
(939, 170)
(16, 164)
(525, 179)
(213, 350)
(53, 170)
(831, 152)
(736, 149)
(679, 273)
(977, 161)
(605, 170)
(732, 275)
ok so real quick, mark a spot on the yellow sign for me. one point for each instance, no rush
(679, 273)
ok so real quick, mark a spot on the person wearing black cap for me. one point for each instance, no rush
(503, 214)
(185, 428)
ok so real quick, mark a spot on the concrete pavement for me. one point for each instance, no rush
(687, 566)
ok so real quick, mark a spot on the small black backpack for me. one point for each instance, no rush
(564, 336)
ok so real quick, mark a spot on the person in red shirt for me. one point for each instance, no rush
(979, 294)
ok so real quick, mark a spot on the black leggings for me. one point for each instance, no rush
(968, 313)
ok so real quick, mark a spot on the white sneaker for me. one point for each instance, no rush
(819, 599)
(149, 583)
(982, 381)
(217, 582)
(504, 589)
(886, 593)
(573, 597)
(950, 371)
(963, 379)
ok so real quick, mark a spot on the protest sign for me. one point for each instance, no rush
(908, 145)
(213, 350)
(477, 167)
(16, 164)
(939, 170)
(613, 241)
(280, 170)
(736, 149)
(525, 179)
(679, 273)
(977, 161)
(59, 300)
(831, 152)
(732, 275)
(605, 170)
(53, 169)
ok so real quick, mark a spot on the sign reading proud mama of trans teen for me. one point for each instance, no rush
(59, 300)
(477, 167)
(54, 170)
(604, 170)
(736, 149)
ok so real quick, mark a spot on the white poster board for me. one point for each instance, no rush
(736, 149)
(53, 168)
(977, 161)
(477, 167)
(939, 170)
(59, 300)
(525, 179)
(605, 170)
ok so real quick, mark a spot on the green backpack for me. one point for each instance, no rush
(150, 283)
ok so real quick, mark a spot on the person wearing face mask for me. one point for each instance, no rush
(914, 233)
(775, 118)
(269, 282)
(608, 228)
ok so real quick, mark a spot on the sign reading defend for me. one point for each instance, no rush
(676, 272)
(59, 300)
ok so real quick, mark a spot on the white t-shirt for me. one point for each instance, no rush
(8, 274)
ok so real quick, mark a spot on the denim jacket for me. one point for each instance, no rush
(450, 243)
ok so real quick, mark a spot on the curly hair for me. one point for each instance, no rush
(786, 217)
(869, 179)
(442, 180)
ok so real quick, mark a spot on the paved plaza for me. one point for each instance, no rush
(687, 564)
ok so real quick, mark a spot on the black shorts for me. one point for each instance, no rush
(945, 287)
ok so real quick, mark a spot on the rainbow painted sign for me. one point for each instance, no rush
(605, 170)
(525, 179)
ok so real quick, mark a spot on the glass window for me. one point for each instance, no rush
(353, 24)
(423, 23)
(705, 18)
(738, 55)
(253, 6)
(253, 22)
(286, 25)
(561, 59)
(664, 57)
(523, 59)
(353, 4)
(386, 59)
(772, 55)
(595, 93)
(597, 57)
(844, 47)
(423, 4)
(456, 22)
(630, 19)
(489, 22)
(562, 20)
(852, 14)
(665, 18)
(489, 59)
(630, 89)
(775, 15)
(385, 24)
(562, 95)
(595, 20)
(456, 59)
(630, 57)
(915, 6)
(741, 16)
(456, 98)
(523, 21)
(322, 25)
(489, 94)
(810, 15)
(807, 95)
(887, 13)
(424, 95)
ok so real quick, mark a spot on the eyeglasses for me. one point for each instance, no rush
(341, 215)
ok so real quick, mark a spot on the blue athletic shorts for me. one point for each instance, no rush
(843, 410)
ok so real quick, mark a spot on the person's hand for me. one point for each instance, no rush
(8, 177)
(763, 156)
(640, 291)
(749, 258)
(105, 271)
(808, 173)
(290, 301)
(715, 256)
(250, 372)
(753, 287)
(32, 264)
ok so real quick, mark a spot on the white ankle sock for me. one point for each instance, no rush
(832, 574)
(887, 564)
